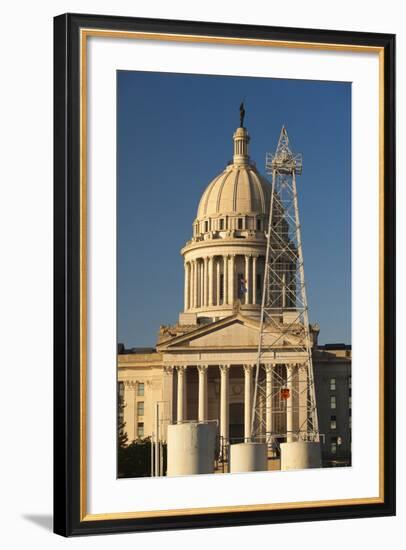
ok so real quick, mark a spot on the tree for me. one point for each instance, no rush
(122, 437)
(135, 459)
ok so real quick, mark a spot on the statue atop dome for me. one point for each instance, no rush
(242, 114)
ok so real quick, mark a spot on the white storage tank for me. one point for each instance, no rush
(248, 457)
(300, 455)
(191, 448)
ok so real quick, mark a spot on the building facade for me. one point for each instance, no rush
(143, 381)
(332, 370)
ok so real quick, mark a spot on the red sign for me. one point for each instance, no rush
(285, 393)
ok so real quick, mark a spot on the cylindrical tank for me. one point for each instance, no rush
(248, 457)
(299, 455)
(191, 448)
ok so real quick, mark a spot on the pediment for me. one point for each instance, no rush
(233, 332)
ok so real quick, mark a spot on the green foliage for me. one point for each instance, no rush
(122, 437)
(135, 459)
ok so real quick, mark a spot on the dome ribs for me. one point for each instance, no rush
(261, 194)
(235, 191)
(206, 195)
(221, 192)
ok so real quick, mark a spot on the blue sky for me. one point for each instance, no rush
(174, 134)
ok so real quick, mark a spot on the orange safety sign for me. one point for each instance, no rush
(285, 393)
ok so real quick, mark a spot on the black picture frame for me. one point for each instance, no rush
(68, 519)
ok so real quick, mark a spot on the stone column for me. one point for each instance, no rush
(195, 277)
(247, 279)
(303, 384)
(202, 416)
(186, 296)
(247, 400)
(211, 280)
(192, 284)
(284, 288)
(198, 267)
(181, 405)
(254, 279)
(218, 281)
(201, 273)
(167, 393)
(205, 280)
(231, 279)
(225, 279)
(224, 402)
(289, 403)
(268, 405)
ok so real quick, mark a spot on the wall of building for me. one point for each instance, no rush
(141, 384)
(332, 370)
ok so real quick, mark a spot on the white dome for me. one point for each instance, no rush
(239, 189)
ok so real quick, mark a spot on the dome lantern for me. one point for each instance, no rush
(241, 140)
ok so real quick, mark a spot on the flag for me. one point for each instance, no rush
(242, 286)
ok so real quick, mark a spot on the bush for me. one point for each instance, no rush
(135, 459)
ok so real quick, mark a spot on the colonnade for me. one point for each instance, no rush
(224, 414)
(212, 280)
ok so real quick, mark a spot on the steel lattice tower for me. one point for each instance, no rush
(284, 404)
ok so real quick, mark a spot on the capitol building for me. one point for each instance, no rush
(202, 367)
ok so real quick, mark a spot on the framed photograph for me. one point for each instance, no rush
(224, 274)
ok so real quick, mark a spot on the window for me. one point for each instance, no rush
(333, 422)
(140, 408)
(206, 226)
(140, 389)
(240, 223)
(258, 225)
(333, 445)
(333, 403)
(221, 224)
(332, 384)
(140, 429)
